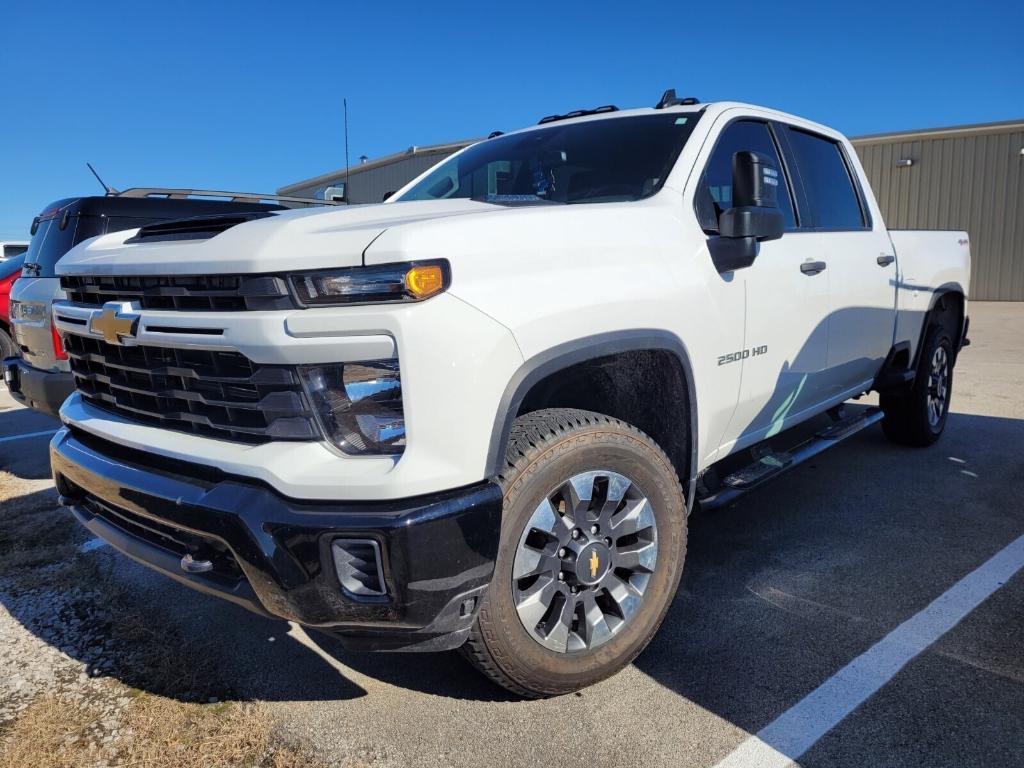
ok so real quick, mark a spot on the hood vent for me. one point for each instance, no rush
(196, 228)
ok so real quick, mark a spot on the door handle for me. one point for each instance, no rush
(812, 267)
(885, 259)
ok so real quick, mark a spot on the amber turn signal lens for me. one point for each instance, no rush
(424, 280)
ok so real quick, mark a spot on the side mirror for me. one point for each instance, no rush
(755, 188)
(755, 215)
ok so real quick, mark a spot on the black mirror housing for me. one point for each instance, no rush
(751, 221)
(755, 194)
(755, 215)
(755, 181)
(731, 253)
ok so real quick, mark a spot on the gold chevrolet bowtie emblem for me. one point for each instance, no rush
(595, 561)
(113, 322)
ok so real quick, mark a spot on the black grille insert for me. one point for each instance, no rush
(198, 293)
(176, 541)
(222, 395)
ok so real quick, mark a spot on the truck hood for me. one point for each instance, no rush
(312, 238)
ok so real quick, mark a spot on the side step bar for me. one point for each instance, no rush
(771, 464)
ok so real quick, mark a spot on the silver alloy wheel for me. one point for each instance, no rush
(584, 561)
(938, 386)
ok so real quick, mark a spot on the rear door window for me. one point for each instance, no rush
(828, 185)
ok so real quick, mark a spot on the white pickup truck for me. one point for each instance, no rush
(477, 415)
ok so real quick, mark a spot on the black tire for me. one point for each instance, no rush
(911, 417)
(545, 449)
(7, 347)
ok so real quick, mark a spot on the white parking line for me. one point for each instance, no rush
(27, 435)
(786, 738)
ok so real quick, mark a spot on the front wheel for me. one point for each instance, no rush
(592, 545)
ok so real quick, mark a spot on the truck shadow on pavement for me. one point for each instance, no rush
(779, 591)
(783, 589)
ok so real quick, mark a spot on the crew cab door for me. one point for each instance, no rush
(785, 351)
(859, 259)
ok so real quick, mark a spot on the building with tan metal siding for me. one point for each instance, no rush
(368, 182)
(967, 177)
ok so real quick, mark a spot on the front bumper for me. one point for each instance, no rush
(42, 390)
(272, 554)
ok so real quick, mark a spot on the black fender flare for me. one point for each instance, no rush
(571, 353)
(937, 294)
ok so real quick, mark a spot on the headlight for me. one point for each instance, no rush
(411, 281)
(359, 405)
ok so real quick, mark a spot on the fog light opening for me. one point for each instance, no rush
(358, 565)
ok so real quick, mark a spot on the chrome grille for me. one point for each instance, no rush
(222, 395)
(197, 293)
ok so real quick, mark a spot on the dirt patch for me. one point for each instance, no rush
(149, 732)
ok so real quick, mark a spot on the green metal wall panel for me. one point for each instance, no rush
(968, 178)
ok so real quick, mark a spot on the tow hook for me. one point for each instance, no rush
(189, 565)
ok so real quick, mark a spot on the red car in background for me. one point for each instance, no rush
(10, 270)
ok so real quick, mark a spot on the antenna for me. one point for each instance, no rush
(345, 103)
(109, 190)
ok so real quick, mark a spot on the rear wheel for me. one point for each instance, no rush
(592, 546)
(917, 415)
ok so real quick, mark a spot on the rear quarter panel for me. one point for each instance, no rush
(930, 263)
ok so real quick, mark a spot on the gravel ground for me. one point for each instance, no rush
(92, 676)
(780, 591)
(33, 659)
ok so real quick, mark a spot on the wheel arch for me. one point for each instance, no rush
(563, 357)
(947, 298)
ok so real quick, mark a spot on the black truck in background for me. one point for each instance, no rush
(38, 374)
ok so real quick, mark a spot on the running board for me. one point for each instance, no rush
(771, 464)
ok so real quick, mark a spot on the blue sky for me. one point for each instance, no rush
(248, 95)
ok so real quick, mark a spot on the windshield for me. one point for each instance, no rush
(594, 161)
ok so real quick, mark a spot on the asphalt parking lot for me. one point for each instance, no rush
(780, 593)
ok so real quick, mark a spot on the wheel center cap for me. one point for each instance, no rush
(593, 563)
